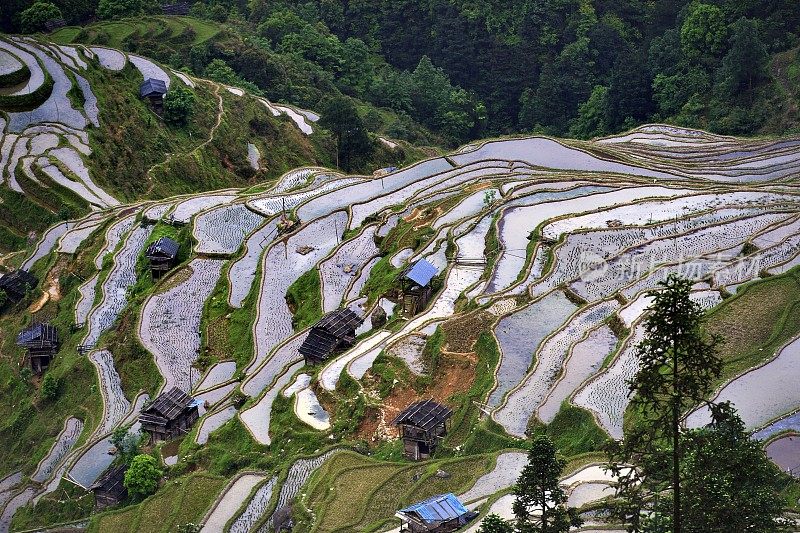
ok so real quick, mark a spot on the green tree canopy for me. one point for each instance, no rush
(34, 18)
(126, 443)
(729, 484)
(591, 120)
(50, 386)
(678, 366)
(494, 524)
(540, 504)
(745, 64)
(117, 9)
(141, 478)
(703, 32)
(340, 117)
(179, 106)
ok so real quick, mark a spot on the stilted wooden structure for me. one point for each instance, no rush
(439, 514)
(162, 255)
(335, 332)
(17, 284)
(41, 341)
(416, 288)
(423, 425)
(169, 416)
(110, 489)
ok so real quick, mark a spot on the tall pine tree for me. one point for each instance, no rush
(678, 365)
(540, 504)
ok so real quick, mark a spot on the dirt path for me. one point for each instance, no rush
(211, 136)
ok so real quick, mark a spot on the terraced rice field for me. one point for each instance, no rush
(61, 447)
(223, 230)
(233, 497)
(170, 324)
(550, 239)
(115, 405)
(115, 286)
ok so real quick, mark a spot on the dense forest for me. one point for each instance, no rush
(466, 69)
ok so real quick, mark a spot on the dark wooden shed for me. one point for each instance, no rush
(154, 90)
(110, 489)
(162, 255)
(335, 332)
(415, 281)
(438, 514)
(169, 416)
(177, 8)
(422, 427)
(54, 24)
(17, 284)
(41, 341)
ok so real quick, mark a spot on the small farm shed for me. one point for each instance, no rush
(415, 285)
(54, 24)
(17, 284)
(170, 415)
(438, 514)
(334, 332)
(41, 341)
(162, 255)
(154, 90)
(178, 8)
(422, 426)
(110, 489)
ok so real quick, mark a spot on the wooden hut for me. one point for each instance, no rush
(169, 416)
(17, 284)
(416, 287)
(54, 24)
(335, 332)
(110, 489)
(438, 514)
(422, 426)
(162, 255)
(177, 8)
(154, 90)
(41, 341)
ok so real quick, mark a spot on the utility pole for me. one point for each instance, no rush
(336, 229)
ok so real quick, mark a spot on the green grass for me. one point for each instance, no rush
(117, 34)
(381, 279)
(64, 35)
(28, 423)
(179, 502)
(466, 415)
(304, 297)
(756, 322)
(352, 492)
(574, 431)
(69, 502)
(227, 332)
(204, 29)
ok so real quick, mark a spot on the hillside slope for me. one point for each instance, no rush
(543, 250)
(76, 137)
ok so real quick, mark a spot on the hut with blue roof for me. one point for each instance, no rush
(415, 285)
(438, 514)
